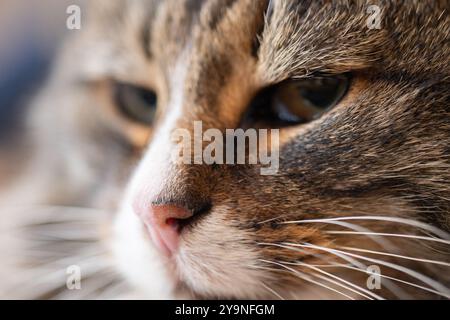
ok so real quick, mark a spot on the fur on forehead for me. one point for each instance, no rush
(299, 37)
(303, 37)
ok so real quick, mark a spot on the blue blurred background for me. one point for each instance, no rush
(30, 34)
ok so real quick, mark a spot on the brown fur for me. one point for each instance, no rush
(383, 151)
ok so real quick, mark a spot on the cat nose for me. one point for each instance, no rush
(163, 223)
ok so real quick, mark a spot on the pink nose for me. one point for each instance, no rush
(162, 222)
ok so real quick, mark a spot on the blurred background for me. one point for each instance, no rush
(30, 35)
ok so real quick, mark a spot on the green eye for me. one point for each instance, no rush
(136, 103)
(296, 102)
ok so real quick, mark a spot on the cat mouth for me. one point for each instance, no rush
(169, 253)
(166, 244)
(204, 264)
(163, 245)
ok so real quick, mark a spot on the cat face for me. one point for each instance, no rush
(373, 162)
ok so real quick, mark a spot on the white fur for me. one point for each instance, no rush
(136, 256)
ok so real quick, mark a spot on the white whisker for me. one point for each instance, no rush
(398, 292)
(382, 242)
(272, 291)
(409, 236)
(341, 279)
(305, 277)
(397, 256)
(342, 256)
(382, 276)
(442, 234)
(432, 283)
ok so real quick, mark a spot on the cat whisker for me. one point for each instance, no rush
(431, 248)
(373, 295)
(271, 290)
(427, 280)
(270, 220)
(396, 256)
(306, 278)
(46, 257)
(48, 217)
(89, 236)
(393, 288)
(398, 292)
(382, 276)
(342, 256)
(49, 281)
(93, 286)
(338, 278)
(63, 211)
(47, 207)
(99, 282)
(440, 233)
(58, 237)
(116, 289)
(379, 234)
(382, 242)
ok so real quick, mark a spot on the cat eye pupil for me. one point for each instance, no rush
(324, 93)
(296, 102)
(136, 103)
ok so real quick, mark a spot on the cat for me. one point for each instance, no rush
(358, 209)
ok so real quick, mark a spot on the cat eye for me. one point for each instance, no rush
(136, 103)
(296, 102)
